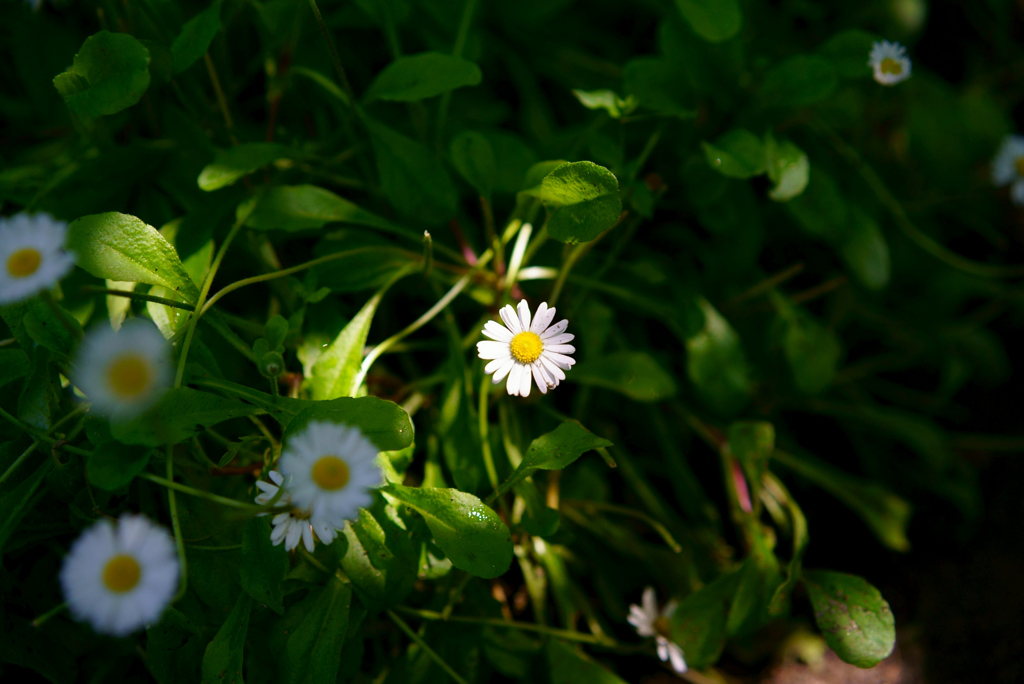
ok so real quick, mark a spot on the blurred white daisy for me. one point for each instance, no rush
(1008, 167)
(650, 622)
(119, 578)
(295, 524)
(890, 63)
(527, 351)
(125, 372)
(331, 470)
(32, 256)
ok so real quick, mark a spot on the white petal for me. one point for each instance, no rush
(675, 655)
(650, 602)
(564, 362)
(496, 331)
(307, 537)
(1017, 193)
(560, 348)
(524, 314)
(503, 369)
(542, 321)
(557, 329)
(277, 477)
(554, 370)
(492, 350)
(662, 648)
(514, 378)
(564, 338)
(495, 365)
(511, 318)
(538, 377)
(525, 380)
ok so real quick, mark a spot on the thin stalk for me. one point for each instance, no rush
(639, 515)
(21, 459)
(215, 498)
(179, 541)
(56, 610)
(139, 296)
(457, 48)
(485, 442)
(40, 436)
(518, 253)
(193, 321)
(334, 51)
(222, 101)
(426, 649)
(510, 624)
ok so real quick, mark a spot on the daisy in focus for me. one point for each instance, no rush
(526, 350)
(32, 256)
(650, 622)
(1008, 167)
(125, 372)
(120, 577)
(889, 62)
(330, 471)
(293, 525)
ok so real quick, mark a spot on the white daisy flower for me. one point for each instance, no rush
(119, 578)
(125, 372)
(293, 525)
(32, 256)
(890, 63)
(650, 622)
(1008, 167)
(330, 469)
(527, 351)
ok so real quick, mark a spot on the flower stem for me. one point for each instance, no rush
(216, 498)
(139, 296)
(485, 442)
(510, 624)
(172, 505)
(56, 610)
(426, 649)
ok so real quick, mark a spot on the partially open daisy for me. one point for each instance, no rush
(1008, 167)
(32, 256)
(889, 62)
(527, 351)
(331, 470)
(295, 524)
(650, 622)
(120, 577)
(125, 372)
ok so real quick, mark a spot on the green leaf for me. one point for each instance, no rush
(110, 73)
(413, 181)
(417, 77)
(264, 566)
(195, 38)
(117, 306)
(179, 414)
(14, 364)
(737, 154)
(470, 533)
(570, 666)
(336, 369)
(556, 450)
(887, 514)
(38, 395)
(121, 247)
(698, 624)
(712, 20)
(812, 350)
(222, 661)
(607, 100)
(820, 210)
(236, 162)
(788, 168)
(582, 199)
(865, 251)
(473, 158)
(113, 465)
(298, 207)
(716, 363)
(799, 81)
(17, 498)
(849, 52)
(380, 553)
(173, 648)
(384, 423)
(634, 374)
(659, 85)
(313, 651)
(852, 615)
(59, 335)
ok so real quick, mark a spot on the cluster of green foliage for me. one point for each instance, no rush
(748, 235)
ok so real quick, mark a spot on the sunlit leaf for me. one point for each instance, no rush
(110, 73)
(852, 615)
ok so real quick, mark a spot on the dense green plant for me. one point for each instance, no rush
(320, 207)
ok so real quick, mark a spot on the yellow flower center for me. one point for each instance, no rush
(891, 66)
(121, 573)
(129, 375)
(1020, 166)
(24, 262)
(526, 347)
(661, 626)
(330, 473)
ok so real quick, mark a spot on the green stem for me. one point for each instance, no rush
(485, 442)
(139, 296)
(21, 459)
(639, 515)
(510, 624)
(172, 505)
(194, 319)
(457, 48)
(334, 51)
(228, 289)
(40, 436)
(426, 649)
(215, 498)
(916, 235)
(57, 610)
